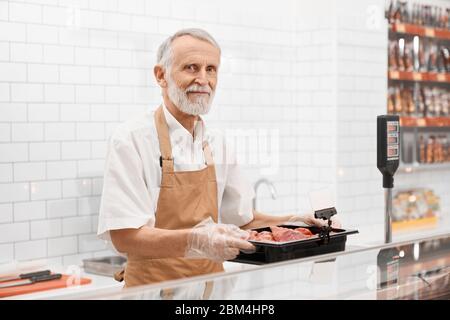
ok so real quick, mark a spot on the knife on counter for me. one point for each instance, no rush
(31, 280)
(25, 275)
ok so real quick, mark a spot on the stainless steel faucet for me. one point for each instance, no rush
(272, 189)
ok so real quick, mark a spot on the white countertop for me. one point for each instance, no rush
(99, 283)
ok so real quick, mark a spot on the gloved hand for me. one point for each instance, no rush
(310, 220)
(216, 241)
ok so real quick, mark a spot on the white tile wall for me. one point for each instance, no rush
(70, 71)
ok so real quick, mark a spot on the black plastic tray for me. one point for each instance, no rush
(268, 252)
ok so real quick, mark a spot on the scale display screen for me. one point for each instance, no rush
(392, 140)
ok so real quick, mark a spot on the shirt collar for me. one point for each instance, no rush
(175, 128)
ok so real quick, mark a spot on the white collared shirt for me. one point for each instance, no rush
(132, 176)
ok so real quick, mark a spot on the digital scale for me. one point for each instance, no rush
(388, 155)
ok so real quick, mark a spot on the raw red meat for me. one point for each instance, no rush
(261, 236)
(305, 231)
(280, 234)
(265, 236)
(285, 234)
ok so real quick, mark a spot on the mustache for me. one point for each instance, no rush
(197, 88)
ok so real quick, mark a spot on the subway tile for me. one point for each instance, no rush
(90, 168)
(61, 170)
(44, 151)
(33, 210)
(131, 7)
(94, 223)
(92, 20)
(118, 58)
(62, 208)
(74, 74)
(6, 253)
(21, 92)
(5, 132)
(102, 39)
(76, 225)
(105, 76)
(29, 171)
(90, 56)
(23, 132)
(143, 24)
(58, 54)
(75, 112)
(43, 112)
(49, 228)
(59, 93)
(4, 92)
(10, 31)
(13, 72)
(88, 205)
(99, 149)
(13, 111)
(29, 250)
(103, 5)
(76, 259)
(43, 73)
(116, 21)
(41, 34)
(22, 12)
(75, 150)
(6, 213)
(45, 190)
(90, 131)
(4, 10)
(55, 15)
(11, 152)
(104, 113)
(117, 94)
(77, 188)
(90, 94)
(6, 170)
(89, 243)
(59, 131)
(11, 232)
(62, 246)
(74, 37)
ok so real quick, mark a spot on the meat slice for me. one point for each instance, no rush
(252, 235)
(285, 234)
(265, 236)
(305, 231)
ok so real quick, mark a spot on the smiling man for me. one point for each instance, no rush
(166, 203)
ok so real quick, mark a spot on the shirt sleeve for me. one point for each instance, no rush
(237, 202)
(126, 201)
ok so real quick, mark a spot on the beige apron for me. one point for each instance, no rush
(186, 198)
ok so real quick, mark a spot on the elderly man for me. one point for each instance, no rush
(165, 203)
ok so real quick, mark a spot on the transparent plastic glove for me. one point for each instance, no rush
(310, 220)
(216, 241)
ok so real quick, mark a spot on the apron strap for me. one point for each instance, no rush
(164, 140)
(209, 285)
(208, 154)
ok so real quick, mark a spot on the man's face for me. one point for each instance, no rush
(192, 77)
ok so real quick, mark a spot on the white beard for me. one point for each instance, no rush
(182, 102)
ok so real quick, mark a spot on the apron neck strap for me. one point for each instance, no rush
(208, 154)
(164, 142)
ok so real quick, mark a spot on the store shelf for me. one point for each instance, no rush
(413, 122)
(414, 224)
(423, 31)
(419, 76)
(419, 167)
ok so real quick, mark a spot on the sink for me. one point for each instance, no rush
(105, 266)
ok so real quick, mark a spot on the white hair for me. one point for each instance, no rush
(164, 54)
